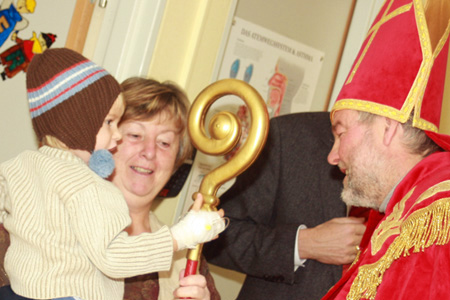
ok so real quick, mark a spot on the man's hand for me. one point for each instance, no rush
(333, 242)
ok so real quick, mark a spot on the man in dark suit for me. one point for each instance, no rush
(289, 187)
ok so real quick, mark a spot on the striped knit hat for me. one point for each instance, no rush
(69, 97)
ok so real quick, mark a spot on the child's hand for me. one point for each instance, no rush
(197, 226)
(198, 202)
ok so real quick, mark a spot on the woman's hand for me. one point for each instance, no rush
(192, 287)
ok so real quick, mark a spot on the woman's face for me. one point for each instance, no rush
(146, 157)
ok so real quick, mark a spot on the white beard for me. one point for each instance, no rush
(368, 176)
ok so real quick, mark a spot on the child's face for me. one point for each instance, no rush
(109, 134)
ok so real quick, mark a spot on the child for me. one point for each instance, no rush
(65, 221)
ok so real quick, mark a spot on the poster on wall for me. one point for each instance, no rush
(284, 72)
(27, 27)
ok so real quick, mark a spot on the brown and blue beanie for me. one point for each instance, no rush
(69, 97)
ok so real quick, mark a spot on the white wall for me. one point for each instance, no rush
(16, 132)
(122, 36)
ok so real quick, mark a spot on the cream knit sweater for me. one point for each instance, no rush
(66, 227)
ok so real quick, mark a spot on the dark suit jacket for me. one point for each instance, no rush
(291, 183)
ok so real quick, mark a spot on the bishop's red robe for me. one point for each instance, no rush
(405, 254)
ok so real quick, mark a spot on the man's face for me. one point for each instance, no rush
(358, 153)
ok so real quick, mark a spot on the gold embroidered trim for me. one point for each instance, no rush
(390, 226)
(429, 58)
(358, 254)
(414, 98)
(430, 192)
(372, 107)
(423, 228)
(373, 32)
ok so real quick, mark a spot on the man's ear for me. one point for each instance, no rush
(392, 127)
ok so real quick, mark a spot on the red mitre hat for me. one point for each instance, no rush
(401, 66)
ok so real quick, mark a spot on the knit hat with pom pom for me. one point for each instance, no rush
(69, 97)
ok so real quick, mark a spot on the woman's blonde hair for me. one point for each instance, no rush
(52, 141)
(146, 98)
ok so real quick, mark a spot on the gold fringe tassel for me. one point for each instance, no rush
(424, 228)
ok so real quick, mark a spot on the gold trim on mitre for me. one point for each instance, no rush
(373, 32)
(415, 96)
(371, 107)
